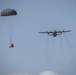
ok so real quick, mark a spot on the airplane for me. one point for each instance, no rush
(55, 33)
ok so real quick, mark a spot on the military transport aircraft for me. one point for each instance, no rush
(55, 33)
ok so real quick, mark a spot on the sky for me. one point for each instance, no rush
(34, 53)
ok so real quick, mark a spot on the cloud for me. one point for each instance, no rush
(48, 73)
(42, 73)
(19, 73)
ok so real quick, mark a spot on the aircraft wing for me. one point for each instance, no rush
(50, 32)
(66, 31)
(46, 32)
(41, 32)
(59, 31)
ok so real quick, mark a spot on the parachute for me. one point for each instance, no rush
(9, 12)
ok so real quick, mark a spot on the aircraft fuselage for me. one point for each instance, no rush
(55, 34)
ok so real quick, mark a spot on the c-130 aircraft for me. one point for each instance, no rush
(55, 33)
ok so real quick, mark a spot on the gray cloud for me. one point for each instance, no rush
(42, 73)
(19, 73)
